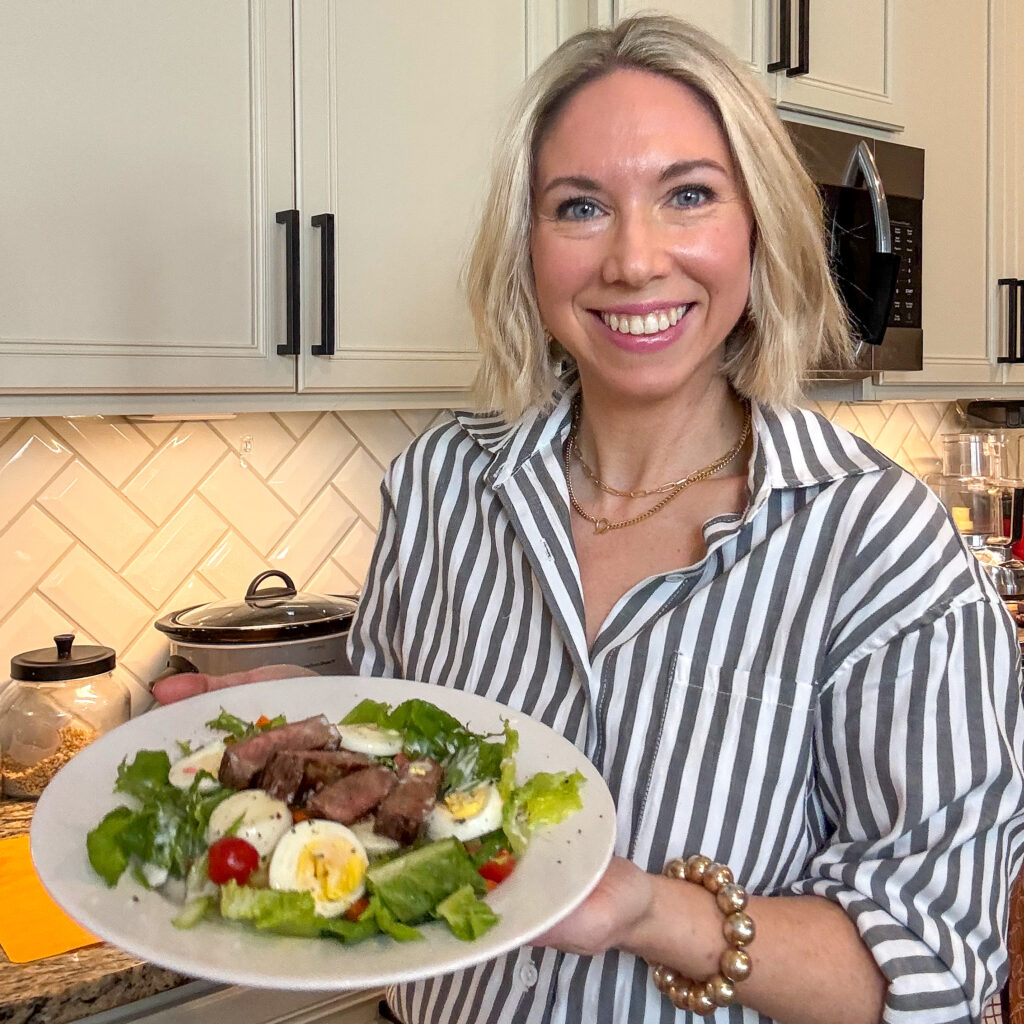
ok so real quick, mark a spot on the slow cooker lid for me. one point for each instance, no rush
(264, 614)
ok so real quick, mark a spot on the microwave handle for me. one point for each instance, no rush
(862, 163)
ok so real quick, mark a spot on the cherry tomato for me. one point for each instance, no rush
(356, 910)
(499, 867)
(232, 857)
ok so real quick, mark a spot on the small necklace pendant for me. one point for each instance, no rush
(601, 525)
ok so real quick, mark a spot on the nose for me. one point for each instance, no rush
(638, 251)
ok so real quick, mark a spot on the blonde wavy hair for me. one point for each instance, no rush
(794, 318)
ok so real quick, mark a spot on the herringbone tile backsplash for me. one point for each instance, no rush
(107, 523)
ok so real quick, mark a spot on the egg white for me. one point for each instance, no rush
(371, 740)
(373, 844)
(444, 821)
(207, 758)
(263, 820)
(324, 859)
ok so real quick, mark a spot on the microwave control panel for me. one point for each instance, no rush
(905, 224)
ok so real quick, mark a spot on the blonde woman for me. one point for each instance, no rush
(767, 637)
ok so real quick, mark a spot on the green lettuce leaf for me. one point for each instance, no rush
(146, 775)
(106, 853)
(168, 830)
(545, 799)
(368, 712)
(386, 922)
(467, 916)
(289, 913)
(238, 728)
(412, 885)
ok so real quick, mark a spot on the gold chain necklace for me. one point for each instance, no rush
(670, 490)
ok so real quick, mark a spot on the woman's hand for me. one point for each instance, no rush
(609, 916)
(188, 684)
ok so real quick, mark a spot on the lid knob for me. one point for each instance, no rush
(64, 642)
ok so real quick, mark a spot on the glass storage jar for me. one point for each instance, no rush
(59, 699)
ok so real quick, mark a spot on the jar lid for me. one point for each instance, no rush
(52, 664)
(264, 614)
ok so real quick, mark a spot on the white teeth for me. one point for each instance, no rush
(652, 323)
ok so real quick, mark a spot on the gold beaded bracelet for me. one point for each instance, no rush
(704, 997)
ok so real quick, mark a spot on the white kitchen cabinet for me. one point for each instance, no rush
(399, 105)
(853, 52)
(154, 153)
(1006, 188)
(146, 148)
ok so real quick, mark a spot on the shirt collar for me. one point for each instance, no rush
(793, 448)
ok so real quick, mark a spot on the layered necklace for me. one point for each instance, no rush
(670, 490)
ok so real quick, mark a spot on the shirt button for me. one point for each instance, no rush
(674, 577)
(528, 975)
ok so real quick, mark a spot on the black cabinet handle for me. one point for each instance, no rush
(291, 219)
(785, 31)
(1014, 325)
(803, 41)
(325, 222)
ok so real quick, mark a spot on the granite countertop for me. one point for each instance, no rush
(71, 985)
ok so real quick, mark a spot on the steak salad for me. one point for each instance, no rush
(390, 818)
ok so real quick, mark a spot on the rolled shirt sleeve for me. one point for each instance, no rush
(926, 830)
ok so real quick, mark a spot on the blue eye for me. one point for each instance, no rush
(578, 208)
(691, 195)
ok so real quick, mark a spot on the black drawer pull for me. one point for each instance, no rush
(785, 31)
(291, 219)
(1014, 324)
(803, 42)
(325, 222)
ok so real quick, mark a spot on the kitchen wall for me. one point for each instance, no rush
(107, 523)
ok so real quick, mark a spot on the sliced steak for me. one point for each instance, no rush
(403, 812)
(283, 775)
(291, 775)
(244, 760)
(322, 767)
(353, 796)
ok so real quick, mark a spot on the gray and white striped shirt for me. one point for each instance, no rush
(829, 701)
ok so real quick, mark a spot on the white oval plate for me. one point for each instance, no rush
(561, 866)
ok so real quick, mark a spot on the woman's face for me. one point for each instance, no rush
(641, 236)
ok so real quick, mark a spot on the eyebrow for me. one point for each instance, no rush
(677, 169)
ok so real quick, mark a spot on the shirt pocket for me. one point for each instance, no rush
(731, 773)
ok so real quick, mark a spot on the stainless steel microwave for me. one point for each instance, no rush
(873, 194)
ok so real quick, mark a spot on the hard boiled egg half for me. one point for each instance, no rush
(466, 814)
(207, 758)
(371, 740)
(251, 815)
(324, 859)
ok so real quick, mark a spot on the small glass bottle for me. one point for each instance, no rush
(58, 701)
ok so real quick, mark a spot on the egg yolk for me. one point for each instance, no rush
(330, 869)
(466, 805)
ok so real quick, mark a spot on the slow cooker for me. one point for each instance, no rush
(271, 625)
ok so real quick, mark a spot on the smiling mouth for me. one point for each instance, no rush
(650, 323)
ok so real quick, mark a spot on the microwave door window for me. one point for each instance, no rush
(865, 277)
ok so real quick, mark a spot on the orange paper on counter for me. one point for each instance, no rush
(32, 926)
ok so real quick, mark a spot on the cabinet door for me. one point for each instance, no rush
(852, 54)
(146, 148)
(743, 25)
(1006, 187)
(946, 106)
(399, 108)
